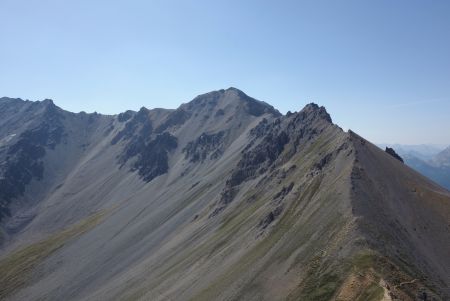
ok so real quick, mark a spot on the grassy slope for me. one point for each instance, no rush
(16, 269)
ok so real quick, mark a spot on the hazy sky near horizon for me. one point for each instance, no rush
(381, 68)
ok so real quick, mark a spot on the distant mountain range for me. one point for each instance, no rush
(223, 198)
(432, 161)
(443, 158)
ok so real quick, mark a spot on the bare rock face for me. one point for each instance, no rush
(125, 116)
(207, 146)
(392, 152)
(153, 156)
(22, 159)
(223, 198)
(137, 127)
(148, 148)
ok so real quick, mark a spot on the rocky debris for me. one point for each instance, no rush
(270, 218)
(323, 162)
(392, 152)
(284, 173)
(219, 113)
(277, 175)
(283, 192)
(357, 173)
(255, 161)
(263, 127)
(205, 146)
(176, 118)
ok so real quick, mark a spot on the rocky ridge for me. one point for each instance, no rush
(222, 198)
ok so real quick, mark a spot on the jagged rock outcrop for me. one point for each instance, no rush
(392, 152)
(153, 156)
(206, 146)
(268, 141)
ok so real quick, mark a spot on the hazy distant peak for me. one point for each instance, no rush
(443, 158)
(446, 151)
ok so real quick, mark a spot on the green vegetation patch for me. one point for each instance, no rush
(321, 287)
(16, 269)
(364, 261)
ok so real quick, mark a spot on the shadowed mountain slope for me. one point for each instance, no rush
(223, 198)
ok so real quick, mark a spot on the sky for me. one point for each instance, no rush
(381, 68)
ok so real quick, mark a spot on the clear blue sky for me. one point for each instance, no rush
(381, 68)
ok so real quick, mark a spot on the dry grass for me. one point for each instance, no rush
(16, 269)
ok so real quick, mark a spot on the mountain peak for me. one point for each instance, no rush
(443, 158)
(231, 96)
(314, 110)
(47, 101)
(234, 89)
